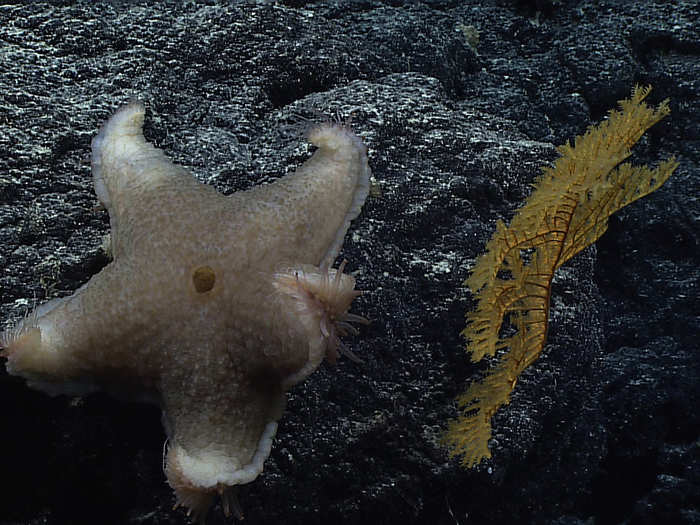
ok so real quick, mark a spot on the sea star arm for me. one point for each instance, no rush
(218, 439)
(318, 201)
(133, 179)
(89, 340)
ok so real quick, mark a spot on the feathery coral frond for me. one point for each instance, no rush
(567, 211)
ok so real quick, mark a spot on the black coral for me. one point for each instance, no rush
(566, 212)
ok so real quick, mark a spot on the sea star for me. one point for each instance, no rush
(213, 305)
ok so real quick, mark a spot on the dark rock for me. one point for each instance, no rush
(460, 103)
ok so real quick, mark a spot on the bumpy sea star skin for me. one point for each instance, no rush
(213, 305)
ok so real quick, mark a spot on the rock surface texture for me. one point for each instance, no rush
(459, 104)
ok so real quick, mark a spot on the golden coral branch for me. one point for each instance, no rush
(567, 211)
